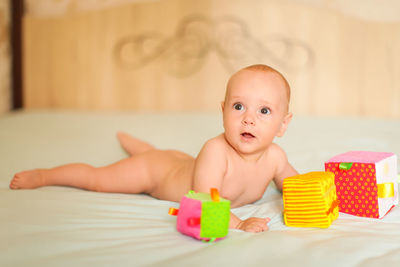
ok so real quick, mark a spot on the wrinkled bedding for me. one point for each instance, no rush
(62, 226)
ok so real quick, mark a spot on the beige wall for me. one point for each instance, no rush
(4, 57)
(178, 54)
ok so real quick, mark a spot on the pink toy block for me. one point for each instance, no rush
(203, 216)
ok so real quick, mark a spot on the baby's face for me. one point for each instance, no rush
(255, 110)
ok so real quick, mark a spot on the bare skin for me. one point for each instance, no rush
(240, 163)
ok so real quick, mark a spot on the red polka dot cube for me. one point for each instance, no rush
(366, 182)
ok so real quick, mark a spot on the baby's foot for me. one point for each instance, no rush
(132, 145)
(27, 180)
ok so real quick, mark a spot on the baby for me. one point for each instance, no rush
(240, 163)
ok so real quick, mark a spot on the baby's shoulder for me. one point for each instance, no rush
(217, 142)
(214, 146)
(213, 150)
(275, 151)
(277, 157)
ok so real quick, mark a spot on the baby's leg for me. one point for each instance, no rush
(126, 176)
(131, 175)
(76, 175)
(133, 145)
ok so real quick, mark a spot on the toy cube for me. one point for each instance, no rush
(203, 216)
(310, 200)
(366, 182)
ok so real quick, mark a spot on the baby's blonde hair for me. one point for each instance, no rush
(265, 68)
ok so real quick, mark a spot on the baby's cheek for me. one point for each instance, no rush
(262, 117)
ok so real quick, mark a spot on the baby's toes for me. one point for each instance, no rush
(14, 184)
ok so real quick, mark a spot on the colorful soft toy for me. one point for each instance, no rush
(310, 200)
(203, 216)
(366, 182)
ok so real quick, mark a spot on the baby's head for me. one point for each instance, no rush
(256, 107)
(266, 71)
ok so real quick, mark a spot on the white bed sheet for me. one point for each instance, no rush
(61, 226)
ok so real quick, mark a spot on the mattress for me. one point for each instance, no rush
(62, 226)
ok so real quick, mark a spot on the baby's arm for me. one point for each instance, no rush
(210, 169)
(283, 168)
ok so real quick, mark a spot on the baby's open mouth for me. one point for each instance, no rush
(247, 135)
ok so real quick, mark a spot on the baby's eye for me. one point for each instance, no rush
(265, 111)
(238, 106)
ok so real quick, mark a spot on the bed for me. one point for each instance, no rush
(157, 69)
(62, 226)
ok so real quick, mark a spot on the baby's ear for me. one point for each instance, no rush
(285, 124)
(222, 106)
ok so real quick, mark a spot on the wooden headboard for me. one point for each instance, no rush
(177, 55)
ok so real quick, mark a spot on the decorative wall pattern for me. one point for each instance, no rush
(4, 57)
(198, 35)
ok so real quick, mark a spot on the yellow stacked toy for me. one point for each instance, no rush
(310, 200)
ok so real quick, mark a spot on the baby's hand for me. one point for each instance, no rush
(254, 224)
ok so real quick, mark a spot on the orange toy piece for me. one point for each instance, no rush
(215, 195)
(310, 200)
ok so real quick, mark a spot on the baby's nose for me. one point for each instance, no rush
(248, 120)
